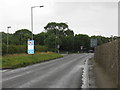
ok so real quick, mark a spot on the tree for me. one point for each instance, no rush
(51, 27)
(62, 26)
(60, 29)
(21, 36)
(4, 37)
(67, 43)
(82, 40)
(69, 32)
(51, 41)
(40, 38)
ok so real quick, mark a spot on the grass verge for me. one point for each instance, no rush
(22, 60)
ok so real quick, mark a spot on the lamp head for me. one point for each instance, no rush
(41, 6)
(9, 27)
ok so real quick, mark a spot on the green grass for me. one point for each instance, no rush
(22, 60)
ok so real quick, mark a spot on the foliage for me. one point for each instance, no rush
(52, 41)
(40, 38)
(39, 48)
(21, 49)
(56, 34)
(4, 48)
(82, 40)
(67, 43)
(22, 36)
(58, 29)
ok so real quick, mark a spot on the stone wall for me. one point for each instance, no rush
(108, 57)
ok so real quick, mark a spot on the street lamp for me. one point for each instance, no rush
(32, 18)
(57, 37)
(7, 37)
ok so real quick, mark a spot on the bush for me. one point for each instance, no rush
(52, 49)
(12, 49)
(4, 48)
(39, 48)
(21, 49)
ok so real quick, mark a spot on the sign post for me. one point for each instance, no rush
(81, 47)
(30, 46)
(58, 46)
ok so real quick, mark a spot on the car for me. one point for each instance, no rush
(90, 51)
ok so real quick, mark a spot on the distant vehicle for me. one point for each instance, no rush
(90, 51)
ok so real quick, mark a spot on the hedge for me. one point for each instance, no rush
(21, 49)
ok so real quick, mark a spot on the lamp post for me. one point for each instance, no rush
(8, 37)
(32, 18)
(57, 46)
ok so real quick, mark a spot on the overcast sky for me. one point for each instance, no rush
(92, 17)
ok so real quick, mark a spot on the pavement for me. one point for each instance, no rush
(67, 72)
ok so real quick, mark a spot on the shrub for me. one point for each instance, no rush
(12, 49)
(39, 48)
(4, 48)
(21, 49)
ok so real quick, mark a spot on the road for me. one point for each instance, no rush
(64, 72)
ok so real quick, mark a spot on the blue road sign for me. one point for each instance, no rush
(30, 46)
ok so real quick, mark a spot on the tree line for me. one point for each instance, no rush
(55, 36)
